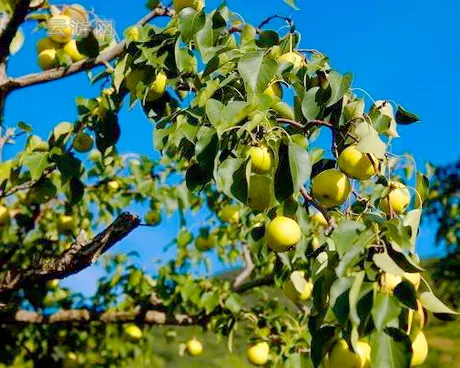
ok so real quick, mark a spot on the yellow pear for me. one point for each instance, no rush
(204, 243)
(47, 59)
(282, 233)
(356, 164)
(113, 185)
(46, 43)
(4, 216)
(60, 28)
(230, 214)
(274, 90)
(133, 332)
(158, 87)
(261, 159)
(293, 58)
(65, 224)
(258, 353)
(399, 198)
(194, 347)
(342, 357)
(71, 49)
(419, 350)
(293, 293)
(414, 278)
(331, 188)
(178, 5)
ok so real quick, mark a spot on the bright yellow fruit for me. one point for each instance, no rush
(153, 217)
(342, 357)
(4, 216)
(356, 164)
(46, 44)
(65, 224)
(293, 293)
(158, 87)
(82, 142)
(414, 278)
(53, 284)
(47, 59)
(70, 361)
(108, 91)
(274, 90)
(258, 353)
(133, 332)
(194, 347)
(59, 28)
(71, 49)
(319, 218)
(292, 57)
(181, 4)
(204, 243)
(399, 198)
(282, 233)
(230, 214)
(113, 185)
(76, 12)
(331, 188)
(419, 350)
(261, 159)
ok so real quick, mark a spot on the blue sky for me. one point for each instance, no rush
(406, 51)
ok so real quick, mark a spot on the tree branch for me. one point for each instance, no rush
(28, 184)
(310, 200)
(84, 316)
(247, 271)
(57, 73)
(77, 257)
(17, 18)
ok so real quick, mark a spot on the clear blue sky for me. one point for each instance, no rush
(406, 51)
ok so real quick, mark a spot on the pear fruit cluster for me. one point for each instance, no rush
(60, 29)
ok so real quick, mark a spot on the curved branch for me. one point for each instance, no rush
(57, 73)
(310, 200)
(247, 270)
(84, 316)
(17, 18)
(81, 254)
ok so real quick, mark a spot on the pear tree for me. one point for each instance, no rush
(237, 109)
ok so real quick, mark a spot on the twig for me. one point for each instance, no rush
(28, 184)
(247, 270)
(310, 200)
(288, 20)
(77, 257)
(57, 73)
(17, 18)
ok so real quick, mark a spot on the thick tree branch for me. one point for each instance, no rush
(310, 200)
(77, 257)
(17, 18)
(57, 73)
(84, 316)
(247, 270)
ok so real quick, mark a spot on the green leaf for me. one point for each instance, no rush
(406, 293)
(119, 74)
(88, 46)
(209, 301)
(36, 162)
(322, 342)
(232, 179)
(385, 309)
(268, 39)
(339, 85)
(233, 113)
(372, 143)
(423, 189)
(387, 264)
(433, 304)
(412, 219)
(354, 297)
(405, 117)
(256, 71)
(24, 127)
(390, 349)
(234, 303)
(291, 3)
(299, 164)
(190, 22)
(346, 233)
(354, 109)
(213, 111)
(310, 106)
(206, 148)
(43, 192)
